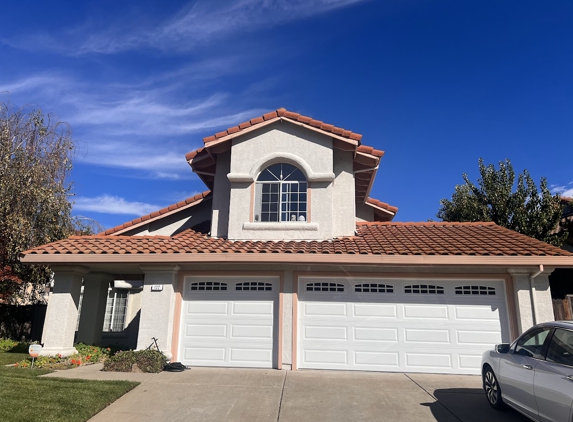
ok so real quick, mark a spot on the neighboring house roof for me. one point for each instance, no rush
(156, 215)
(366, 159)
(375, 242)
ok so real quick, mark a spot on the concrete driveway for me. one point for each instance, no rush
(216, 394)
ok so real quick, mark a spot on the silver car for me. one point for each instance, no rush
(534, 374)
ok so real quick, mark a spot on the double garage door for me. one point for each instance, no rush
(365, 324)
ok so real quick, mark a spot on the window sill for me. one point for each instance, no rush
(287, 225)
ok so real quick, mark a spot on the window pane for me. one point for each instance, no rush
(561, 348)
(532, 343)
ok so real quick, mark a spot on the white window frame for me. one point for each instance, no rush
(108, 328)
(284, 189)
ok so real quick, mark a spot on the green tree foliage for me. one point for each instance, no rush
(35, 160)
(525, 209)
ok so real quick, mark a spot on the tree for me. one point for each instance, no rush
(35, 160)
(527, 209)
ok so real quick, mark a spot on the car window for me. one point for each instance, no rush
(531, 344)
(561, 348)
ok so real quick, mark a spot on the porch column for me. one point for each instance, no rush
(62, 312)
(158, 307)
(93, 308)
(532, 306)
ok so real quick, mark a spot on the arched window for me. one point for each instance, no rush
(281, 194)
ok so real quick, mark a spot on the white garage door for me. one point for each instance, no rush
(229, 322)
(399, 325)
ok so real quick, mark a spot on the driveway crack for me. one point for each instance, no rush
(281, 400)
(434, 397)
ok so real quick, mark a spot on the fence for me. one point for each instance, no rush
(563, 308)
(22, 322)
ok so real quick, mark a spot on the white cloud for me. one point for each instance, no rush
(141, 129)
(195, 25)
(565, 190)
(108, 204)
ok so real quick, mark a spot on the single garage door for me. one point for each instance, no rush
(421, 325)
(229, 322)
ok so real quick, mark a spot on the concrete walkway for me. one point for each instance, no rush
(217, 394)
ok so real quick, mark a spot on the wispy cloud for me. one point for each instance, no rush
(195, 25)
(108, 204)
(564, 190)
(147, 130)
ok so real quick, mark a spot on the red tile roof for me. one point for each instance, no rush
(382, 205)
(285, 114)
(189, 202)
(378, 238)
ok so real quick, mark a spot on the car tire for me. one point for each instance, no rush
(492, 389)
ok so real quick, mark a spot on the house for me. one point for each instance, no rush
(286, 262)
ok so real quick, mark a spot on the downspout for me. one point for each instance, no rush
(533, 301)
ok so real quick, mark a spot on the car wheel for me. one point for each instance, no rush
(492, 390)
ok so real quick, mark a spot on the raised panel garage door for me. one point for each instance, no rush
(229, 322)
(420, 325)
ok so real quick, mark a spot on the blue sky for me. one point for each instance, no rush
(435, 84)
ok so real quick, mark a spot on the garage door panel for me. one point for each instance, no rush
(443, 332)
(383, 360)
(324, 309)
(425, 311)
(254, 308)
(412, 335)
(252, 331)
(207, 308)
(205, 331)
(375, 310)
(325, 332)
(428, 360)
(375, 334)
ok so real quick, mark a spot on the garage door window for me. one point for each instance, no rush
(424, 289)
(254, 285)
(475, 290)
(324, 287)
(374, 288)
(208, 285)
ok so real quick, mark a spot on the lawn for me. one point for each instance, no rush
(25, 397)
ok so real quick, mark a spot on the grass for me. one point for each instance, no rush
(25, 397)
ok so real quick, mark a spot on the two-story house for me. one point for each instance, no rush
(286, 262)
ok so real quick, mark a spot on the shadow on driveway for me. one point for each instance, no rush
(469, 405)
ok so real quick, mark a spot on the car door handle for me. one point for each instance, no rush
(527, 367)
(570, 377)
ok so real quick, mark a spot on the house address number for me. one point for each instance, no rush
(156, 287)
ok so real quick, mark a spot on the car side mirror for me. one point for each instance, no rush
(502, 348)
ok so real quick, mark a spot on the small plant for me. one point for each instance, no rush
(145, 360)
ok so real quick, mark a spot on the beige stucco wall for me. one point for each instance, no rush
(176, 222)
(221, 196)
(328, 171)
(364, 213)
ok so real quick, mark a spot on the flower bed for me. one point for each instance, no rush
(86, 355)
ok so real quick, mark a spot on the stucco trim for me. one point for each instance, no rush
(286, 226)
(177, 316)
(511, 307)
(280, 157)
(294, 360)
(300, 258)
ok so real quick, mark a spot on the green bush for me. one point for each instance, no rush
(8, 345)
(146, 360)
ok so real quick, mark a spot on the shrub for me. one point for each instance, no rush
(146, 360)
(13, 346)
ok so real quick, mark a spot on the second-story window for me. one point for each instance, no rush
(281, 194)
